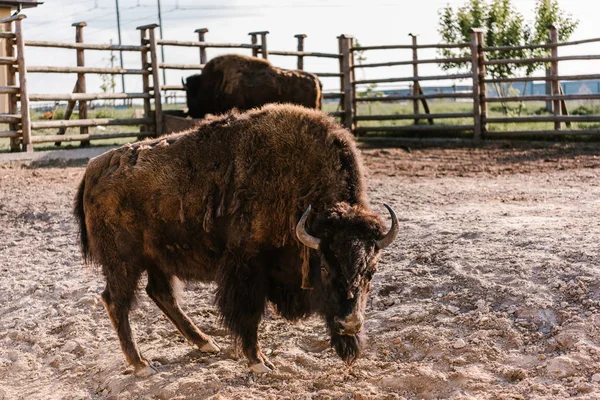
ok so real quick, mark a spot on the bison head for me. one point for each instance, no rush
(349, 240)
(197, 96)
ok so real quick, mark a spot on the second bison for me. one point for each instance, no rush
(236, 81)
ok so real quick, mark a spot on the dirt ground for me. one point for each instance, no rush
(491, 291)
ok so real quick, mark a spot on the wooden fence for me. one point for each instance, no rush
(417, 96)
(423, 122)
(21, 126)
(556, 95)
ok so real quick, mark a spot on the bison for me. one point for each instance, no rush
(236, 81)
(269, 204)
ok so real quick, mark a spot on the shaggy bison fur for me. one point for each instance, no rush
(224, 202)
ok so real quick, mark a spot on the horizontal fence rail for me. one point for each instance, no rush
(417, 97)
(206, 44)
(410, 47)
(415, 78)
(83, 46)
(427, 61)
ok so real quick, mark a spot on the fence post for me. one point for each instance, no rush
(415, 87)
(156, 82)
(81, 86)
(554, 73)
(145, 77)
(153, 49)
(347, 88)
(341, 62)
(254, 41)
(11, 80)
(263, 44)
(301, 37)
(483, 105)
(201, 33)
(475, 63)
(25, 116)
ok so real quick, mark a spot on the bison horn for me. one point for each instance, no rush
(303, 236)
(391, 235)
(183, 83)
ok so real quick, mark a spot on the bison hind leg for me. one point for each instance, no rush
(162, 290)
(118, 297)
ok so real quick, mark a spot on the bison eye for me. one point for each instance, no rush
(324, 271)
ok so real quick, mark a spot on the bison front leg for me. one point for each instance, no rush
(241, 299)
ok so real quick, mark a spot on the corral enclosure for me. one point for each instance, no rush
(472, 113)
(491, 292)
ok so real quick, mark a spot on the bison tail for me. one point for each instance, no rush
(80, 216)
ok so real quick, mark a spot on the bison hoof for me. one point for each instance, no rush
(145, 371)
(260, 368)
(210, 347)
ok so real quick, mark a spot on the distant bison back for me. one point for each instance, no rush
(235, 81)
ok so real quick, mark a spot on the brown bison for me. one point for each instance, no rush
(235, 81)
(230, 202)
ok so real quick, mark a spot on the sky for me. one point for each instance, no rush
(372, 22)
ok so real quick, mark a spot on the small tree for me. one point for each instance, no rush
(370, 90)
(108, 80)
(548, 13)
(504, 27)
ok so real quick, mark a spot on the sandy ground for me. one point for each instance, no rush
(492, 291)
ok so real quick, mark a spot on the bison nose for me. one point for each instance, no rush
(350, 325)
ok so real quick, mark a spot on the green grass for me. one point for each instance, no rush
(374, 108)
(494, 110)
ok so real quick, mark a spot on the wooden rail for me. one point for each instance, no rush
(427, 61)
(410, 47)
(417, 97)
(415, 78)
(545, 118)
(304, 54)
(544, 78)
(590, 132)
(180, 66)
(416, 128)
(87, 96)
(394, 117)
(540, 46)
(181, 43)
(89, 136)
(545, 97)
(86, 70)
(541, 60)
(89, 122)
(11, 134)
(83, 46)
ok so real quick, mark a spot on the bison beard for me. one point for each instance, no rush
(229, 202)
(348, 347)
